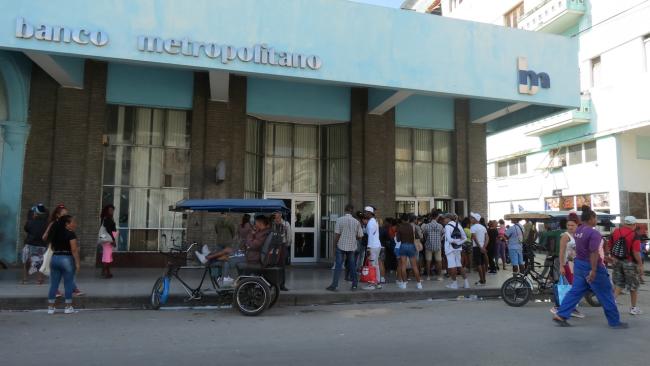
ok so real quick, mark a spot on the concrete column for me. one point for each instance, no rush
(359, 105)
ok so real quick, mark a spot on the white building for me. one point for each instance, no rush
(599, 154)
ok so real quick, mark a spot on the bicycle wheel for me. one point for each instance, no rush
(157, 293)
(516, 291)
(592, 300)
(252, 296)
(275, 293)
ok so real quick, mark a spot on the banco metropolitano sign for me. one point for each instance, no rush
(259, 54)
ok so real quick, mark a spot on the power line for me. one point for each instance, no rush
(610, 18)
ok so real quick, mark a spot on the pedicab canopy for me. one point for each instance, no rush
(230, 205)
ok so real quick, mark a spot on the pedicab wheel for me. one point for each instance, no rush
(275, 294)
(156, 293)
(252, 296)
(516, 292)
(592, 300)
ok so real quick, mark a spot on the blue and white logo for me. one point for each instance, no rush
(529, 80)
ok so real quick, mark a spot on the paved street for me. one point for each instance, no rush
(421, 332)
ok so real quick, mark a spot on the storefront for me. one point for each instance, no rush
(296, 100)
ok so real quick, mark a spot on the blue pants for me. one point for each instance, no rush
(601, 286)
(62, 266)
(350, 265)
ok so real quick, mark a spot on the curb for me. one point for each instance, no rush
(286, 299)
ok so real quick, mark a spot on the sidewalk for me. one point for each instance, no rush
(131, 287)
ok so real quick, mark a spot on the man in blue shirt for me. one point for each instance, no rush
(515, 235)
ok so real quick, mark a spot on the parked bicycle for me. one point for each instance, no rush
(519, 289)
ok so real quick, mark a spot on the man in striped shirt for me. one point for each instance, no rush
(347, 232)
(433, 233)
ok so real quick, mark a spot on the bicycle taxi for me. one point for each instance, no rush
(539, 279)
(254, 290)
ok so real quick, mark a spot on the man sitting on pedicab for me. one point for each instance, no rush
(249, 251)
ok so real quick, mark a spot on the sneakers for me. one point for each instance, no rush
(201, 257)
(419, 285)
(620, 325)
(77, 292)
(378, 287)
(467, 283)
(331, 288)
(453, 286)
(205, 250)
(51, 310)
(370, 287)
(401, 285)
(577, 314)
(439, 279)
(69, 310)
(636, 311)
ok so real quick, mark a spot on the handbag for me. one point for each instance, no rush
(562, 288)
(47, 258)
(103, 236)
(368, 272)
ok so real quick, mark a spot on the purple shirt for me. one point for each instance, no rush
(588, 240)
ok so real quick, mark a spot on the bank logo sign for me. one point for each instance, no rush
(529, 80)
(262, 53)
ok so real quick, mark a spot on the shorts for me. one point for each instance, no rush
(408, 250)
(625, 275)
(516, 257)
(429, 255)
(479, 257)
(454, 259)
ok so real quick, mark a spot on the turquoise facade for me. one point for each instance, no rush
(284, 100)
(15, 70)
(149, 86)
(420, 111)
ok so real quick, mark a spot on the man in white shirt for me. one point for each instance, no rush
(454, 238)
(480, 240)
(374, 245)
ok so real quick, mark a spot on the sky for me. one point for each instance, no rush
(388, 3)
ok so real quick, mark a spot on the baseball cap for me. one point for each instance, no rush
(630, 220)
(369, 209)
(476, 216)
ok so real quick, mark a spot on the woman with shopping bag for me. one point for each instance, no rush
(107, 239)
(567, 253)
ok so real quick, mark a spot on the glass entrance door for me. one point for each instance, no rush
(305, 216)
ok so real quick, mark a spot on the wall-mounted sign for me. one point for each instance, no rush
(529, 80)
(259, 53)
(58, 34)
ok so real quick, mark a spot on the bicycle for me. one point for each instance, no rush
(518, 290)
(252, 292)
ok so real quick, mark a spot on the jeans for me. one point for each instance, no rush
(601, 286)
(62, 266)
(350, 264)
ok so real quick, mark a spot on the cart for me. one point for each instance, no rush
(254, 290)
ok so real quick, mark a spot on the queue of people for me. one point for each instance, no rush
(429, 247)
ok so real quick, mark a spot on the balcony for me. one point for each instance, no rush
(553, 16)
(562, 120)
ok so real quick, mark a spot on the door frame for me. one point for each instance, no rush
(294, 197)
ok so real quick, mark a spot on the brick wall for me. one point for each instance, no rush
(218, 134)
(63, 159)
(471, 159)
(372, 157)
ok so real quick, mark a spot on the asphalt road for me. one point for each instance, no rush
(423, 332)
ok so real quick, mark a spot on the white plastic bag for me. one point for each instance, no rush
(47, 258)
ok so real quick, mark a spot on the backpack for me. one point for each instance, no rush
(456, 234)
(619, 249)
(272, 250)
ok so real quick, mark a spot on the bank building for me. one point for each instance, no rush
(315, 102)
